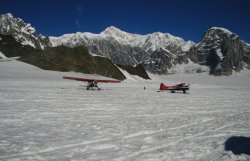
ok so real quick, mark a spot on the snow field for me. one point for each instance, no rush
(44, 117)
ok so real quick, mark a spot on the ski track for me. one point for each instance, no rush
(60, 120)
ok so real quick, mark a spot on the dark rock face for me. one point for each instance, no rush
(246, 56)
(233, 52)
(160, 61)
(116, 52)
(222, 50)
(157, 61)
(11, 48)
(138, 70)
(213, 60)
(76, 59)
(60, 58)
(22, 32)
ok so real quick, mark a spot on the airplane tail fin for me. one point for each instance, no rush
(162, 86)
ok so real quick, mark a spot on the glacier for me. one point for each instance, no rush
(44, 117)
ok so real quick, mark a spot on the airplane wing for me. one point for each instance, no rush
(91, 80)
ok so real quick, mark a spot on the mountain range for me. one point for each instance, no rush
(220, 51)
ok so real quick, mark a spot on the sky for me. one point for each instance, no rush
(188, 19)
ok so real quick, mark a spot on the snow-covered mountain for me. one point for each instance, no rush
(222, 50)
(126, 48)
(22, 32)
(151, 42)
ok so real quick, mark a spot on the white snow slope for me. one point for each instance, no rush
(44, 117)
(2, 56)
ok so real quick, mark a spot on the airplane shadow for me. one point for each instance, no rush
(238, 145)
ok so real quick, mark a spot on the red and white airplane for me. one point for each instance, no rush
(178, 87)
(92, 83)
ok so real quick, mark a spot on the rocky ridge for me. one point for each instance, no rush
(219, 49)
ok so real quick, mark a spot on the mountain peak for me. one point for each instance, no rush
(218, 34)
(21, 31)
(221, 29)
(9, 15)
(112, 30)
(118, 35)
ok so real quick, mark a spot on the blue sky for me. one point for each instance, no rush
(186, 19)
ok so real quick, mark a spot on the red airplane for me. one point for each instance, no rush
(178, 87)
(92, 82)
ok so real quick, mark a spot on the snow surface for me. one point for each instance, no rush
(45, 117)
(2, 56)
(188, 68)
(188, 45)
(219, 53)
(26, 42)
